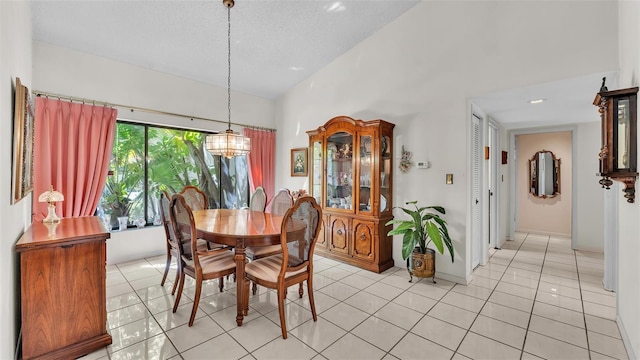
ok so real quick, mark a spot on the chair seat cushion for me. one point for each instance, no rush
(216, 263)
(258, 252)
(268, 268)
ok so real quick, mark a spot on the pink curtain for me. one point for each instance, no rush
(72, 150)
(262, 160)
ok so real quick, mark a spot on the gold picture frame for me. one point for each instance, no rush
(299, 162)
(23, 139)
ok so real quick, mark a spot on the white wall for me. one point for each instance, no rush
(419, 72)
(15, 61)
(629, 214)
(64, 71)
(589, 198)
(68, 72)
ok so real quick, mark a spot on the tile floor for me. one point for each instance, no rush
(536, 298)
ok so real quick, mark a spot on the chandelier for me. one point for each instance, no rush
(228, 144)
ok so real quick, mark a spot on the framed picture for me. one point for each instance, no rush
(23, 127)
(299, 162)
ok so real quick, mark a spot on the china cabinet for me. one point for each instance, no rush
(350, 176)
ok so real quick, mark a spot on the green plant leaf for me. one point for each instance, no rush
(447, 241)
(408, 243)
(434, 235)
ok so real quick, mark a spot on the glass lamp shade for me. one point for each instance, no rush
(228, 144)
(51, 196)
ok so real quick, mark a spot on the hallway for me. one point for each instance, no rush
(536, 298)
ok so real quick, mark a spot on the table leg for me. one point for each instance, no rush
(240, 261)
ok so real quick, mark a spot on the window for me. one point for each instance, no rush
(174, 158)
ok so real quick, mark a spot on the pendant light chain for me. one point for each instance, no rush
(228, 144)
(229, 64)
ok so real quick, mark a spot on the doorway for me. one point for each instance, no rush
(550, 215)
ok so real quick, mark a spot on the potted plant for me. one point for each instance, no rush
(425, 227)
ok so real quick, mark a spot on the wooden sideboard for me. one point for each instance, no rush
(62, 288)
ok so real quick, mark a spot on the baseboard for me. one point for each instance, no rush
(625, 338)
(541, 232)
(453, 278)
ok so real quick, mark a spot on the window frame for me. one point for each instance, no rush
(146, 127)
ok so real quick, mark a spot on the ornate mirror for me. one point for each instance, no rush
(544, 175)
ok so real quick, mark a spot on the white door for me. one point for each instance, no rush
(476, 213)
(494, 174)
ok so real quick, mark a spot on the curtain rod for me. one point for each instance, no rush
(152, 111)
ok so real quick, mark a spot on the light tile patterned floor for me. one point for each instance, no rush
(536, 298)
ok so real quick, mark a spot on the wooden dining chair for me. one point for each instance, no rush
(278, 206)
(281, 202)
(201, 265)
(298, 236)
(258, 200)
(195, 198)
(172, 245)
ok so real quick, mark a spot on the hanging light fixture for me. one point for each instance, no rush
(228, 144)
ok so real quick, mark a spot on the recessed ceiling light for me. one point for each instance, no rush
(296, 68)
(335, 7)
(537, 101)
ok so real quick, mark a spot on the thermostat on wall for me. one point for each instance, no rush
(423, 164)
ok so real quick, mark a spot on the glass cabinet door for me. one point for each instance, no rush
(316, 171)
(366, 173)
(622, 135)
(339, 179)
(385, 173)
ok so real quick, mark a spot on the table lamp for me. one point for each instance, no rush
(51, 196)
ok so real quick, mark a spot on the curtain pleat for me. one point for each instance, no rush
(262, 160)
(72, 150)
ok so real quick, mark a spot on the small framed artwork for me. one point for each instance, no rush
(504, 157)
(23, 127)
(299, 162)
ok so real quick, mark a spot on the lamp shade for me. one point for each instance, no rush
(51, 196)
(228, 144)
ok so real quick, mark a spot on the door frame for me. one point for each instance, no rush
(513, 203)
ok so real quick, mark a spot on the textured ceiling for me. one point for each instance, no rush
(275, 44)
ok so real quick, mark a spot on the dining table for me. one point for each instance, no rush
(238, 228)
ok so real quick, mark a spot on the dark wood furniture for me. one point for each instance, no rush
(238, 228)
(618, 155)
(350, 176)
(294, 265)
(199, 264)
(62, 288)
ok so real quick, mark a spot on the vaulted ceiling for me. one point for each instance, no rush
(275, 45)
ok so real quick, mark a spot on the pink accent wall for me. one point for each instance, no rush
(551, 215)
